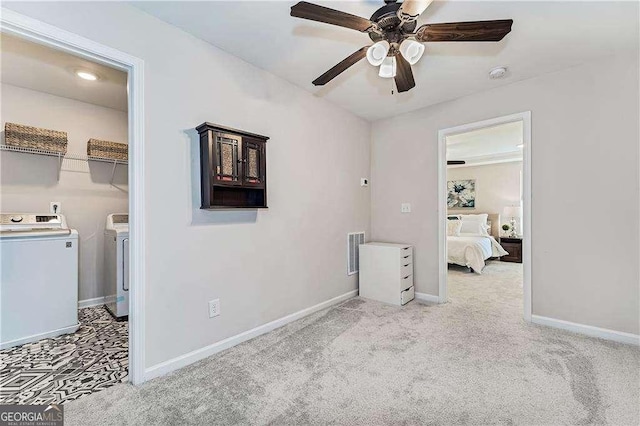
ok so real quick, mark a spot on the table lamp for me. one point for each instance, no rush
(512, 212)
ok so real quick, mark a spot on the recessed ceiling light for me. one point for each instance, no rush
(498, 72)
(86, 75)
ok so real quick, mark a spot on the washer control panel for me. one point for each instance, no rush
(26, 221)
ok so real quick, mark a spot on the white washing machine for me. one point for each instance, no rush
(116, 265)
(38, 278)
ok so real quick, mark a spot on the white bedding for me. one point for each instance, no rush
(471, 250)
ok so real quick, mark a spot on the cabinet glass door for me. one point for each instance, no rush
(253, 163)
(227, 158)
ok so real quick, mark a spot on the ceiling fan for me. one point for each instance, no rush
(397, 43)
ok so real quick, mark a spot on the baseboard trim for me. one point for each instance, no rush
(425, 297)
(87, 303)
(189, 358)
(36, 337)
(588, 330)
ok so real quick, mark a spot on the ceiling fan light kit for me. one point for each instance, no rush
(397, 42)
(377, 53)
(388, 68)
(412, 51)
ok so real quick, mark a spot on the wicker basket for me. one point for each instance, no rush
(34, 138)
(106, 149)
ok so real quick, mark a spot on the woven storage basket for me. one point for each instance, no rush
(106, 149)
(32, 137)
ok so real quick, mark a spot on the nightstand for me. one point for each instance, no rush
(514, 247)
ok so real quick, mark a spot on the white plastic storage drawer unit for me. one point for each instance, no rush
(386, 272)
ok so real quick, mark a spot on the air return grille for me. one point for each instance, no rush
(354, 239)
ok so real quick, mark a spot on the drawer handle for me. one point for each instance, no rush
(407, 264)
(406, 256)
(406, 248)
(406, 277)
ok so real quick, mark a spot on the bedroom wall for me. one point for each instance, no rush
(497, 186)
(584, 173)
(262, 265)
(30, 183)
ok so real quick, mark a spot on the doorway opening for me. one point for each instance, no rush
(72, 180)
(484, 178)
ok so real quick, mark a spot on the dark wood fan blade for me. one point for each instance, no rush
(317, 13)
(340, 67)
(455, 162)
(411, 9)
(465, 31)
(404, 75)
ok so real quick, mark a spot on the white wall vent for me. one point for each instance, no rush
(354, 239)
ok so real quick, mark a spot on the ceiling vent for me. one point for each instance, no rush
(354, 239)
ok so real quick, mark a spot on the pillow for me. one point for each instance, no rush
(474, 217)
(473, 227)
(453, 228)
(474, 223)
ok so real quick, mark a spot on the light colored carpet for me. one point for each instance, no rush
(471, 361)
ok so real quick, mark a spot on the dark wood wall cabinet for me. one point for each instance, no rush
(233, 168)
(514, 247)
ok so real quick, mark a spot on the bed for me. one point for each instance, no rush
(471, 244)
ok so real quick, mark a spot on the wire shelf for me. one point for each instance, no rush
(60, 155)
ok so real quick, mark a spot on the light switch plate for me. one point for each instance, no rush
(405, 208)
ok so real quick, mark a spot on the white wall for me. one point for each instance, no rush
(584, 180)
(261, 265)
(29, 182)
(497, 186)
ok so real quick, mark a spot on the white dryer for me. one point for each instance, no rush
(116, 265)
(39, 278)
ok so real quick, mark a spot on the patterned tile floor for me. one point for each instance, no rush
(67, 367)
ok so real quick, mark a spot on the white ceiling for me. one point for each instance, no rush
(36, 67)
(489, 145)
(546, 37)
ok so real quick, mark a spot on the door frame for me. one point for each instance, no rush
(45, 34)
(525, 117)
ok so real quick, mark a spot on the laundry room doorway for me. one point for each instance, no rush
(78, 126)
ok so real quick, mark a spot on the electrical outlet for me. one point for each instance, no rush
(55, 207)
(214, 308)
(405, 208)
